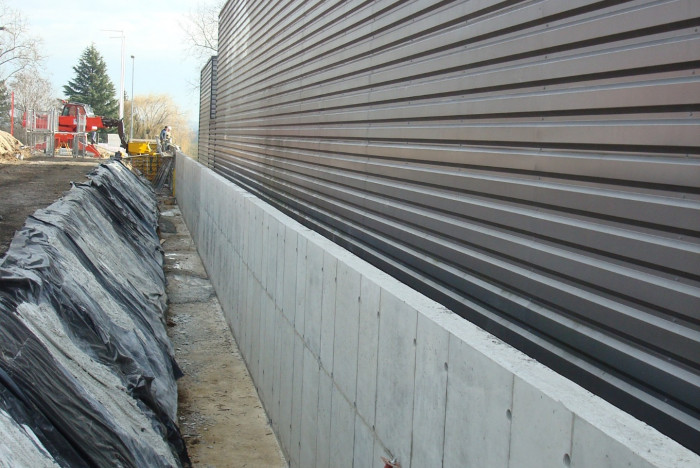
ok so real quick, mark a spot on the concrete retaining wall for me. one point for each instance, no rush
(352, 365)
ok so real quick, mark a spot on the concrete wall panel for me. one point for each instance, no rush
(278, 295)
(254, 345)
(314, 297)
(550, 436)
(300, 298)
(396, 375)
(269, 253)
(267, 347)
(330, 265)
(430, 393)
(273, 407)
(297, 400)
(323, 429)
(363, 451)
(256, 220)
(309, 405)
(368, 342)
(479, 398)
(286, 386)
(290, 274)
(592, 447)
(342, 438)
(346, 331)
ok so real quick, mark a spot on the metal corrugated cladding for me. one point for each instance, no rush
(533, 165)
(207, 112)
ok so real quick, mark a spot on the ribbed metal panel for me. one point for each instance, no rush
(533, 165)
(207, 112)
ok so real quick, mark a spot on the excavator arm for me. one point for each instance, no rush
(119, 125)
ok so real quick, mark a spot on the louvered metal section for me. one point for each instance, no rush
(533, 165)
(207, 112)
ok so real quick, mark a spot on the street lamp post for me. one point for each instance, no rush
(121, 82)
(131, 127)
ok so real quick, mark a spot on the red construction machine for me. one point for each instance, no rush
(75, 122)
(71, 118)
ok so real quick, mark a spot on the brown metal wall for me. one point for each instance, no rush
(534, 165)
(207, 113)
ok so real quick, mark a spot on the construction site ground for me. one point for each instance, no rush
(220, 415)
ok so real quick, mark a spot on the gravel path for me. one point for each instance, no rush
(220, 414)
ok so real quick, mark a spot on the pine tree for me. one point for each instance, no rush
(92, 86)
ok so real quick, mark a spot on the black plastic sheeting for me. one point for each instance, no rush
(86, 364)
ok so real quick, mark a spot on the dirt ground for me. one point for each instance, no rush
(33, 183)
(220, 415)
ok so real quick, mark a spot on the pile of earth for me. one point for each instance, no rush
(11, 149)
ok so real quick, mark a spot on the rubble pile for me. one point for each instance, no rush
(11, 149)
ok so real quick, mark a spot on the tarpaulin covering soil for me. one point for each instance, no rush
(87, 374)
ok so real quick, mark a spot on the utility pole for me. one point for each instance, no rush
(131, 127)
(121, 82)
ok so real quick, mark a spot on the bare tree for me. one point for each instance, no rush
(201, 29)
(18, 49)
(151, 113)
(154, 111)
(32, 91)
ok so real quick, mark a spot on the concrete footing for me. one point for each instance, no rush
(352, 365)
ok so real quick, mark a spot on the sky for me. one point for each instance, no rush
(153, 35)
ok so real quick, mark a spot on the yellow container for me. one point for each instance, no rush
(141, 147)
